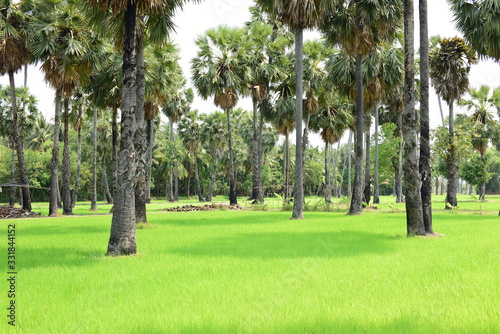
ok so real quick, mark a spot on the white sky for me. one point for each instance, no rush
(195, 19)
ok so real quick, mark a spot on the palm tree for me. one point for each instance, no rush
(14, 54)
(478, 21)
(221, 70)
(483, 103)
(189, 132)
(359, 26)
(297, 15)
(425, 150)
(449, 69)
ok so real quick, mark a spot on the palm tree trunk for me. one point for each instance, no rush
(66, 187)
(140, 136)
(367, 186)
(114, 144)
(441, 110)
(376, 196)
(287, 166)
(79, 156)
(232, 179)
(18, 145)
(328, 186)
(356, 200)
(170, 181)
(149, 155)
(12, 192)
(122, 234)
(259, 169)
(93, 199)
(54, 164)
(213, 177)
(451, 192)
(298, 199)
(105, 186)
(414, 215)
(255, 157)
(197, 178)
(349, 162)
(425, 148)
(399, 172)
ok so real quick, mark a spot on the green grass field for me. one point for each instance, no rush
(259, 272)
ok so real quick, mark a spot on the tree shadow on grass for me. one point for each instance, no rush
(292, 245)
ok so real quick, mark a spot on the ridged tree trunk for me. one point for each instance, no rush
(328, 185)
(105, 186)
(399, 172)
(414, 215)
(451, 191)
(376, 195)
(197, 178)
(54, 163)
(259, 144)
(425, 148)
(298, 198)
(12, 192)
(66, 165)
(149, 155)
(74, 198)
(367, 178)
(114, 144)
(93, 198)
(232, 178)
(357, 196)
(122, 235)
(140, 137)
(255, 157)
(18, 145)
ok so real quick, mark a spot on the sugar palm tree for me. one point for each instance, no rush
(478, 21)
(483, 103)
(359, 26)
(14, 54)
(221, 70)
(297, 15)
(450, 64)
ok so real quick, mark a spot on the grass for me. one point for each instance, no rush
(258, 272)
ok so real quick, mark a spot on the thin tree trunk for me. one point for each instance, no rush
(367, 179)
(328, 186)
(197, 178)
(335, 167)
(54, 164)
(140, 138)
(18, 145)
(66, 165)
(149, 161)
(425, 148)
(255, 157)
(399, 172)
(298, 200)
(105, 186)
(437, 186)
(287, 166)
(79, 156)
(232, 179)
(376, 194)
(482, 185)
(259, 142)
(12, 192)
(349, 169)
(356, 201)
(93, 199)
(451, 192)
(414, 215)
(170, 181)
(213, 177)
(122, 235)
(114, 143)
(441, 110)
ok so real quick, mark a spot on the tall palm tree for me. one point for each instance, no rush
(425, 150)
(14, 54)
(450, 64)
(189, 132)
(483, 103)
(478, 21)
(359, 26)
(297, 15)
(221, 70)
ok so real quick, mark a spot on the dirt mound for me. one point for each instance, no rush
(189, 208)
(8, 212)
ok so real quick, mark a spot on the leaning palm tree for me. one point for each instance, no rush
(298, 15)
(483, 103)
(221, 70)
(14, 54)
(450, 64)
(359, 26)
(478, 21)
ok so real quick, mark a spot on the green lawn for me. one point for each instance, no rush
(259, 272)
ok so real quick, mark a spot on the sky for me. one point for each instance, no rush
(195, 19)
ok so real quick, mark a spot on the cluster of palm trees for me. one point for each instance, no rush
(327, 86)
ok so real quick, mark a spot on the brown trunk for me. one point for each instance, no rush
(79, 156)
(328, 186)
(93, 199)
(298, 198)
(451, 192)
(54, 164)
(232, 178)
(66, 166)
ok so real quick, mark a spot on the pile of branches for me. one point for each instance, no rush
(8, 212)
(189, 208)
